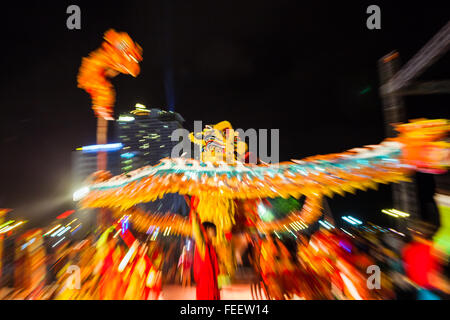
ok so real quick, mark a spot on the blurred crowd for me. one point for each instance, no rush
(354, 264)
(360, 265)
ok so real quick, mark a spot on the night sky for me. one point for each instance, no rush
(306, 68)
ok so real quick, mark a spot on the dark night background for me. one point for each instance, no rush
(307, 68)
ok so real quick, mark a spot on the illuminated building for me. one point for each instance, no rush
(84, 161)
(146, 136)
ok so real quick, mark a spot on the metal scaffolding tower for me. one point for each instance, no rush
(396, 82)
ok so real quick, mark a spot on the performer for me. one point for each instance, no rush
(185, 262)
(421, 263)
(206, 267)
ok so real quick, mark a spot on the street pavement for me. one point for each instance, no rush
(233, 292)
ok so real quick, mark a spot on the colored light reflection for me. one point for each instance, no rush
(80, 193)
(395, 213)
(125, 119)
(101, 147)
(127, 155)
(352, 220)
(326, 224)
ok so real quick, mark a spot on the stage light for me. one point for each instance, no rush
(58, 242)
(71, 222)
(395, 231)
(9, 228)
(58, 231)
(323, 224)
(28, 243)
(6, 223)
(127, 257)
(53, 229)
(389, 213)
(400, 213)
(127, 155)
(117, 233)
(76, 228)
(63, 230)
(155, 234)
(395, 213)
(125, 119)
(264, 213)
(80, 193)
(101, 147)
(347, 233)
(188, 245)
(352, 220)
(355, 220)
(326, 224)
